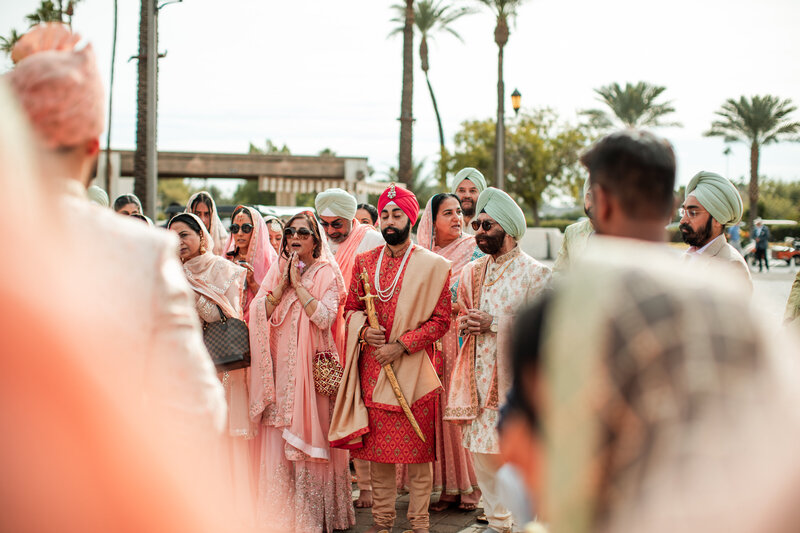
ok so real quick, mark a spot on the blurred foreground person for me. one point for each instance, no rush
(468, 184)
(304, 484)
(441, 231)
(669, 412)
(202, 205)
(712, 203)
(217, 285)
(491, 292)
(107, 463)
(61, 93)
(127, 204)
(576, 235)
(413, 310)
(347, 237)
(248, 245)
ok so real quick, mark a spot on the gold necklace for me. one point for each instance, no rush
(501, 274)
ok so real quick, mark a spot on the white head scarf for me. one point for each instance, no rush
(217, 230)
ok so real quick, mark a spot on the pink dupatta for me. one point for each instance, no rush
(459, 252)
(260, 255)
(302, 412)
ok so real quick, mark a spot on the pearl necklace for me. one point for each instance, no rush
(385, 295)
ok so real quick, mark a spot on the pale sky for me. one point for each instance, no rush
(319, 74)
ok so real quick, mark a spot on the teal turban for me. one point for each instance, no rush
(504, 210)
(336, 203)
(472, 174)
(718, 196)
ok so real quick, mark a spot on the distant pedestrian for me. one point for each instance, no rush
(761, 236)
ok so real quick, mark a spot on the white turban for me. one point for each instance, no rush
(336, 203)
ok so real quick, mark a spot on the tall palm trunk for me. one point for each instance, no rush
(111, 102)
(404, 167)
(140, 156)
(423, 57)
(753, 188)
(501, 38)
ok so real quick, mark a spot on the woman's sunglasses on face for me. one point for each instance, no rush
(302, 233)
(246, 228)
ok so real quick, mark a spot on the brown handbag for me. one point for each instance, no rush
(228, 342)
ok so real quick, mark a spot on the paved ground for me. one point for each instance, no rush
(770, 292)
(448, 521)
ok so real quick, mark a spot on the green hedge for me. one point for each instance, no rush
(560, 223)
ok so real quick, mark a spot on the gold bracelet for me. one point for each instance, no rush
(272, 300)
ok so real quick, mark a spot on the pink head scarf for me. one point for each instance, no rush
(217, 230)
(200, 271)
(59, 87)
(260, 254)
(459, 252)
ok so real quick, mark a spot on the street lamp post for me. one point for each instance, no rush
(516, 101)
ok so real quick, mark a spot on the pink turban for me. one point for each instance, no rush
(59, 87)
(403, 198)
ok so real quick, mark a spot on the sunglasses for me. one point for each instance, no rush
(246, 228)
(477, 224)
(336, 224)
(302, 233)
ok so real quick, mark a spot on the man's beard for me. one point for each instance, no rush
(393, 236)
(696, 238)
(489, 244)
(468, 211)
(341, 236)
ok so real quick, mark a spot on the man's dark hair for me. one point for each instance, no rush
(369, 208)
(636, 167)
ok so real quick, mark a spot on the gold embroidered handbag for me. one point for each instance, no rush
(327, 373)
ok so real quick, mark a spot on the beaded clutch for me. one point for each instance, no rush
(327, 373)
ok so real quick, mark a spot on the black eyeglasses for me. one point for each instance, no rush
(486, 225)
(302, 233)
(246, 228)
(336, 224)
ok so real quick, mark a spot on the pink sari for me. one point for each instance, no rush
(304, 484)
(453, 472)
(260, 255)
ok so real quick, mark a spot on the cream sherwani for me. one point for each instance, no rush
(145, 305)
(576, 237)
(720, 252)
(505, 286)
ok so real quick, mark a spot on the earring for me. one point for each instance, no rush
(202, 246)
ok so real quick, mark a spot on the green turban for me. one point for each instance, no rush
(336, 203)
(504, 210)
(472, 174)
(97, 196)
(718, 196)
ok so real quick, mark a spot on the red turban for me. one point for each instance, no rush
(59, 87)
(403, 198)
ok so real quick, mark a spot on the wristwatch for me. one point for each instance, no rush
(493, 325)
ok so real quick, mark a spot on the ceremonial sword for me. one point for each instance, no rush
(372, 317)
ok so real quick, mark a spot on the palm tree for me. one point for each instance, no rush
(503, 10)
(405, 162)
(757, 121)
(633, 106)
(431, 15)
(7, 43)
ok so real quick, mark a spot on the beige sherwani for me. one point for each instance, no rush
(144, 309)
(576, 237)
(723, 253)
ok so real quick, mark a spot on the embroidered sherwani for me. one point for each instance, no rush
(391, 438)
(509, 284)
